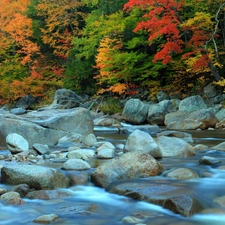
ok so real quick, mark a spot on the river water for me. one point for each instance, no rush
(90, 205)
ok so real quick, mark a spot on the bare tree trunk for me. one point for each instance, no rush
(214, 71)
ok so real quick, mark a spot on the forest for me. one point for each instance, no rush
(110, 47)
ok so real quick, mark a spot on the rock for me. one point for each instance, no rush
(191, 104)
(65, 99)
(132, 219)
(187, 124)
(176, 147)
(206, 116)
(72, 137)
(89, 140)
(10, 195)
(75, 164)
(220, 147)
(207, 160)
(22, 189)
(104, 121)
(210, 91)
(157, 112)
(183, 135)
(220, 115)
(167, 196)
(16, 143)
(200, 147)
(162, 95)
(176, 117)
(36, 177)
(106, 153)
(77, 177)
(18, 111)
(139, 140)
(26, 102)
(221, 124)
(41, 149)
(134, 164)
(46, 126)
(220, 201)
(104, 145)
(81, 154)
(135, 111)
(150, 129)
(182, 174)
(48, 194)
(46, 218)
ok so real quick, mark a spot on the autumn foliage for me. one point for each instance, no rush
(105, 47)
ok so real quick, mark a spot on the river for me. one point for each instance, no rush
(90, 205)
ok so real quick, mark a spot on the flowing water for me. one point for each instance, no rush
(90, 205)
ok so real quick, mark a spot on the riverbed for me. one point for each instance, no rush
(90, 205)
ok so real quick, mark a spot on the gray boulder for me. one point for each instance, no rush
(137, 164)
(47, 126)
(162, 95)
(16, 143)
(65, 99)
(157, 112)
(183, 135)
(75, 164)
(36, 177)
(174, 147)
(139, 140)
(192, 103)
(135, 111)
(150, 129)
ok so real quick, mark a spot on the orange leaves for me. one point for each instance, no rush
(15, 30)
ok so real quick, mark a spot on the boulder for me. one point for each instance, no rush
(46, 126)
(36, 177)
(16, 143)
(141, 141)
(187, 124)
(168, 196)
(65, 99)
(220, 115)
(157, 112)
(174, 147)
(206, 116)
(81, 154)
(26, 102)
(41, 149)
(106, 153)
(134, 164)
(89, 140)
(192, 103)
(135, 111)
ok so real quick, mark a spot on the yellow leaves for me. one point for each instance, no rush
(201, 20)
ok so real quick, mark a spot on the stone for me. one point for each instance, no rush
(106, 153)
(75, 164)
(48, 194)
(186, 124)
(136, 164)
(46, 218)
(182, 174)
(10, 195)
(139, 140)
(162, 95)
(176, 147)
(220, 115)
(192, 103)
(22, 189)
(18, 111)
(34, 176)
(208, 160)
(16, 143)
(157, 112)
(89, 140)
(135, 111)
(220, 147)
(46, 126)
(65, 99)
(41, 149)
(26, 102)
(81, 154)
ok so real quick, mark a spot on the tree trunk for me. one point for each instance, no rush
(214, 71)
